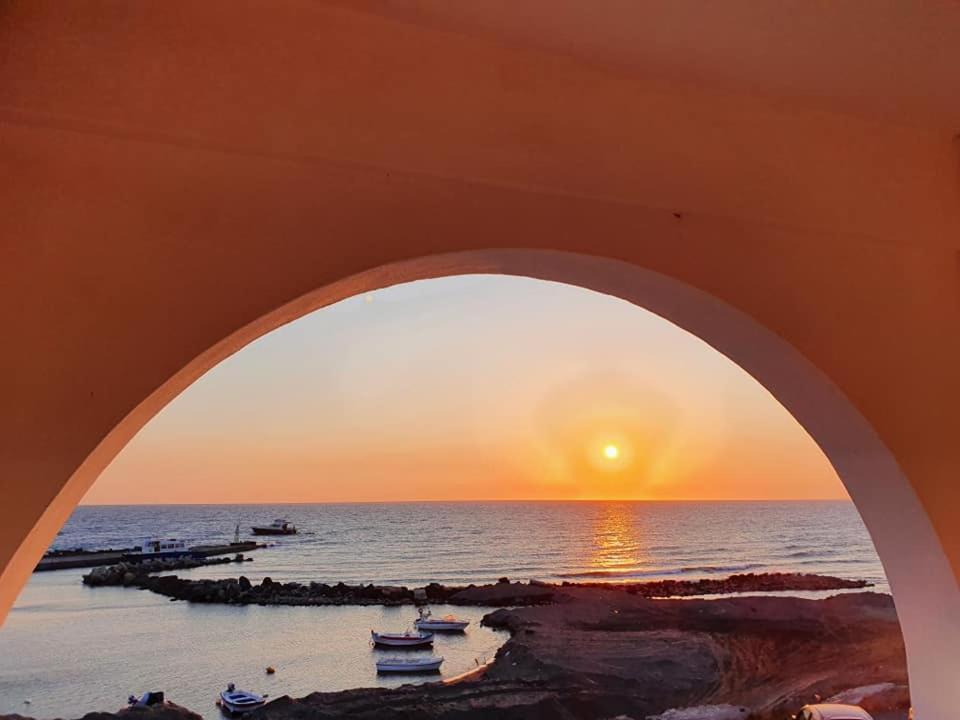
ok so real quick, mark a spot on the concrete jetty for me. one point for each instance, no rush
(66, 559)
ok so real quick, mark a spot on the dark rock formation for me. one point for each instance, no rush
(745, 583)
(134, 573)
(598, 653)
(167, 711)
(499, 594)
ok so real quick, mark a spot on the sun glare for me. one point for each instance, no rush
(611, 452)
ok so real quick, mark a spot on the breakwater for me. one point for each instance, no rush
(132, 574)
(241, 591)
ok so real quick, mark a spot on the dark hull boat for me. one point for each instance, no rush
(402, 640)
(277, 527)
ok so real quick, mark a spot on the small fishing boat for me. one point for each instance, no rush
(159, 549)
(148, 699)
(449, 623)
(238, 702)
(409, 665)
(408, 639)
(277, 527)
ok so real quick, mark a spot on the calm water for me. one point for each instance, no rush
(71, 649)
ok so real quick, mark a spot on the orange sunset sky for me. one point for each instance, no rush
(469, 388)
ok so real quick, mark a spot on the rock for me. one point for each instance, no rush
(166, 711)
(504, 580)
(420, 595)
(704, 712)
(245, 584)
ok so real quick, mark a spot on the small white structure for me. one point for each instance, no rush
(833, 711)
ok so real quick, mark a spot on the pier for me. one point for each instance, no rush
(66, 559)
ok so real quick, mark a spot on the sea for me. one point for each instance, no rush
(67, 649)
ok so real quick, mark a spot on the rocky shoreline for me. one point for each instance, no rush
(597, 652)
(132, 574)
(241, 591)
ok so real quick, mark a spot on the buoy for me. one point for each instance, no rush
(27, 701)
(270, 670)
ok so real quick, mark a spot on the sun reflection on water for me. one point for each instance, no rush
(617, 541)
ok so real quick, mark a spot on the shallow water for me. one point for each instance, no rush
(72, 649)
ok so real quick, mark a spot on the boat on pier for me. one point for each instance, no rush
(159, 549)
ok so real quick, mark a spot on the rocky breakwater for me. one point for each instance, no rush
(744, 583)
(500, 594)
(134, 574)
(241, 591)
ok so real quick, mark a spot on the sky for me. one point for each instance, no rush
(471, 388)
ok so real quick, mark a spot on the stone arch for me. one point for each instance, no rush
(919, 572)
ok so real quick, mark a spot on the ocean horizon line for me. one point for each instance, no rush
(491, 501)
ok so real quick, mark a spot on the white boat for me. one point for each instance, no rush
(156, 549)
(405, 639)
(240, 701)
(277, 527)
(409, 665)
(426, 621)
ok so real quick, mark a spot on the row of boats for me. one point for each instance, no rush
(422, 637)
(234, 701)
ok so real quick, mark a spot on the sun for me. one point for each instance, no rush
(611, 451)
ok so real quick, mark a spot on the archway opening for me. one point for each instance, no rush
(864, 465)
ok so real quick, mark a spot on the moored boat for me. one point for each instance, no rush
(409, 665)
(238, 702)
(159, 549)
(148, 699)
(409, 639)
(448, 623)
(279, 526)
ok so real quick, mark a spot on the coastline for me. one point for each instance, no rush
(598, 652)
(315, 633)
